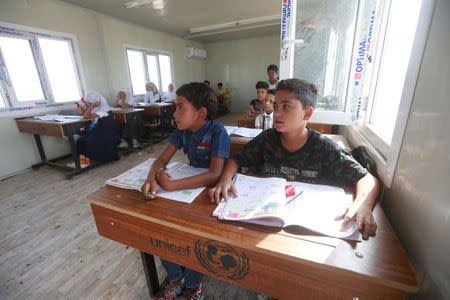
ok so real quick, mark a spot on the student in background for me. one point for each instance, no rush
(134, 129)
(207, 83)
(295, 152)
(265, 121)
(256, 106)
(124, 99)
(152, 95)
(223, 96)
(170, 95)
(99, 141)
(272, 73)
(207, 145)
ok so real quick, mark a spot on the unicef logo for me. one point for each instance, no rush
(221, 259)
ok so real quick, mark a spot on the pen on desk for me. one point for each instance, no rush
(294, 197)
(149, 192)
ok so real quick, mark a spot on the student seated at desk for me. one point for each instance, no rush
(265, 121)
(223, 96)
(272, 73)
(134, 129)
(207, 145)
(152, 95)
(256, 106)
(98, 141)
(295, 152)
(170, 95)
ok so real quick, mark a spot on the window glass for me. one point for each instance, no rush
(18, 57)
(153, 70)
(327, 29)
(166, 71)
(60, 69)
(397, 48)
(137, 73)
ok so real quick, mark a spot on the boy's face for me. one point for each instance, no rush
(272, 75)
(268, 103)
(289, 114)
(261, 94)
(187, 116)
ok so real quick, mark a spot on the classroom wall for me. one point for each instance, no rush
(100, 39)
(417, 204)
(240, 64)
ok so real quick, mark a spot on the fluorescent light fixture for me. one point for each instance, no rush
(235, 23)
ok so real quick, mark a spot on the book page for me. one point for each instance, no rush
(134, 179)
(257, 198)
(316, 209)
(245, 132)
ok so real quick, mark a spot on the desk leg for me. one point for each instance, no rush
(150, 272)
(37, 139)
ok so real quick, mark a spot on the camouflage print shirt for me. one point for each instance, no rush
(320, 160)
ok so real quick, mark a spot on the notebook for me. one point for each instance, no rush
(263, 201)
(134, 179)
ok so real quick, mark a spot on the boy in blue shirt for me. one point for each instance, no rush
(207, 145)
(294, 152)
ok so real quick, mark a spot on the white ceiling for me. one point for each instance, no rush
(179, 16)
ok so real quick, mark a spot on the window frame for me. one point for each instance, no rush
(386, 155)
(13, 107)
(145, 52)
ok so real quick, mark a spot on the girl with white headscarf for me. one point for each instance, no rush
(134, 129)
(152, 95)
(170, 95)
(124, 99)
(98, 141)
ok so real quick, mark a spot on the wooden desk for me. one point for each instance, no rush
(124, 114)
(279, 263)
(244, 121)
(157, 109)
(237, 143)
(58, 129)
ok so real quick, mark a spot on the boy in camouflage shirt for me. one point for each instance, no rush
(295, 152)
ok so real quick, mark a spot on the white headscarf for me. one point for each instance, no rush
(101, 110)
(129, 98)
(170, 96)
(151, 96)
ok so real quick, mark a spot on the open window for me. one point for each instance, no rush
(364, 57)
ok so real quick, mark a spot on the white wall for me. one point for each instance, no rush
(240, 64)
(418, 204)
(100, 39)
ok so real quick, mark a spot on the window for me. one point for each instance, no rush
(364, 58)
(37, 68)
(147, 65)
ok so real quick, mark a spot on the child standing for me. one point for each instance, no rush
(207, 145)
(295, 152)
(99, 141)
(272, 73)
(265, 121)
(256, 106)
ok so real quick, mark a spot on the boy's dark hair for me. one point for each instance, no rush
(207, 81)
(272, 91)
(199, 95)
(303, 90)
(220, 83)
(273, 68)
(262, 85)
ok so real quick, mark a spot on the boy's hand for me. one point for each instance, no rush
(163, 179)
(150, 186)
(221, 191)
(362, 214)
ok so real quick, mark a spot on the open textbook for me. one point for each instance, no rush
(134, 179)
(264, 201)
(242, 131)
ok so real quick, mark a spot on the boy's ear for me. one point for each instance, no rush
(308, 113)
(203, 112)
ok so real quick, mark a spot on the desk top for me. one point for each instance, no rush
(156, 104)
(118, 110)
(45, 127)
(379, 261)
